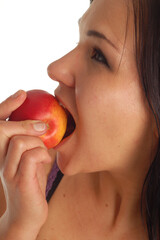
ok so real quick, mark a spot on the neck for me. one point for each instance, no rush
(117, 197)
(122, 196)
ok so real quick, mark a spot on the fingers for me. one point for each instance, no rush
(27, 127)
(19, 158)
(11, 104)
(31, 169)
(24, 179)
(10, 129)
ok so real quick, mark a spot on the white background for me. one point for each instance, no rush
(34, 33)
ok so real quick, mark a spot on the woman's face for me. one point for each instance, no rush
(99, 85)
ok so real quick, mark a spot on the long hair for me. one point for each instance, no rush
(147, 35)
(147, 44)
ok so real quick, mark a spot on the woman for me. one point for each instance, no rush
(110, 85)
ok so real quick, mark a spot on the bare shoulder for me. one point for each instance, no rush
(60, 217)
(73, 215)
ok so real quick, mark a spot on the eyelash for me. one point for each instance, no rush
(102, 60)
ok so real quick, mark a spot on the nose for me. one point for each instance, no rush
(63, 69)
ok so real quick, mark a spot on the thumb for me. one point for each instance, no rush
(11, 104)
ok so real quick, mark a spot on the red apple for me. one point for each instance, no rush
(40, 105)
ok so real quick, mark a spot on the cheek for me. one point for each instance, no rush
(102, 108)
(95, 119)
(112, 121)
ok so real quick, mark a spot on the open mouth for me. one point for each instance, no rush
(71, 125)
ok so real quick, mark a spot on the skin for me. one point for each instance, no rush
(107, 157)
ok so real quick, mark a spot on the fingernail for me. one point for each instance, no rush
(17, 94)
(39, 126)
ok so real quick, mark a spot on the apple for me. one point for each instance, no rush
(41, 105)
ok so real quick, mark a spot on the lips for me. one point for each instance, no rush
(71, 125)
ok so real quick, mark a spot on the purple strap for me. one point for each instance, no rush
(52, 177)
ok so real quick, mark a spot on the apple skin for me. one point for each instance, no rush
(41, 105)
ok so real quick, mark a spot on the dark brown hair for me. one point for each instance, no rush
(147, 33)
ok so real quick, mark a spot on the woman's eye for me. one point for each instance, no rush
(99, 57)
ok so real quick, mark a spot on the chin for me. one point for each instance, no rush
(67, 165)
(73, 165)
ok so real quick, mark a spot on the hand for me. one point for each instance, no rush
(22, 159)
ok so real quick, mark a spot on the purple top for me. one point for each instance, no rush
(52, 177)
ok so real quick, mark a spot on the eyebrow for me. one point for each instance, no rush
(93, 33)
